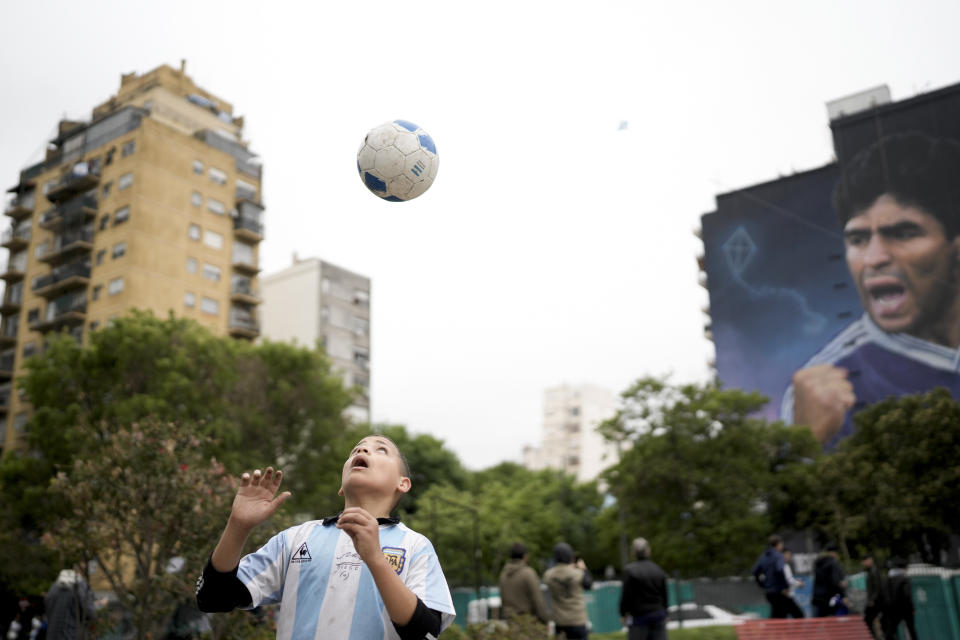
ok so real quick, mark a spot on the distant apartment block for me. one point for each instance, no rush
(154, 203)
(570, 441)
(315, 303)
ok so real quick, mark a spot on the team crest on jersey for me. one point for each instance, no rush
(396, 557)
(302, 554)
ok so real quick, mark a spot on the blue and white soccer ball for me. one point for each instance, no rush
(398, 161)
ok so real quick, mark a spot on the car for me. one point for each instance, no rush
(691, 614)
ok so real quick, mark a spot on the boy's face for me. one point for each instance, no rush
(375, 465)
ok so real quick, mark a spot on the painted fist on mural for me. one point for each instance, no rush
(822, 397)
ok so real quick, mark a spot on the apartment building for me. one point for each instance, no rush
(570, 442)
(154, 203)
(313, 302)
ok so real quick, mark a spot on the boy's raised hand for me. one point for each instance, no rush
(364, 530)
(256, 500)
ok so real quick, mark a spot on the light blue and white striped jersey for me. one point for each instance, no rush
(326, 591)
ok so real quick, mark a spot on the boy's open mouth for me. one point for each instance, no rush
(359, 462)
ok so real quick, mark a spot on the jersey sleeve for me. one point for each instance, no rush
(425, 578)
(262, 572)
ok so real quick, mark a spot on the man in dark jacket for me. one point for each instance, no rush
(69, 607)
(520, 587)
(768, 572)
(874, 593)
(643, 600)
(829, 583)
(898, 601)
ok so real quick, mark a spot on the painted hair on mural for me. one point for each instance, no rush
(915, 169)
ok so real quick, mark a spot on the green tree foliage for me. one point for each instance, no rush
(257, 405)
(511, 504)
(893, 486)
(699, 477)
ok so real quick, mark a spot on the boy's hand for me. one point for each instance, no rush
(255, 500)
(364, 530)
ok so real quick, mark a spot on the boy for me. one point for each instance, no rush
(358, 575)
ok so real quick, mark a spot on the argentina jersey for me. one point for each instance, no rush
(882, 365)
(325, 590)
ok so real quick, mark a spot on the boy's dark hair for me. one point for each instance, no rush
(517, 551)
(915, 169)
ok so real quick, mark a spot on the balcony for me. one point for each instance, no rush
(16, 238)
(65, 311)
(20, 206)
(14, 270)
(8, 336)
(242, 266)
(247, 224)
(66, 246)
(5, 390)
(6, 364)
(242, 291)
(242, 324)
(80, 209)
(79, 179)
(63, 278)
(12, 300)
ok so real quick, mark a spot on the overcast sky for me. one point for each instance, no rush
(552, 247)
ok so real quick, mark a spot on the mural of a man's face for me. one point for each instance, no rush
(904, 266)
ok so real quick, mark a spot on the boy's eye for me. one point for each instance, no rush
(383, 449)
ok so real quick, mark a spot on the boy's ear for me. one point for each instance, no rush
(404, 484)
(340, 493)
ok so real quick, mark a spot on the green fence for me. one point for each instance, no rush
(935, 601)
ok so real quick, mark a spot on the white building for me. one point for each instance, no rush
(314, 302)
(570, 442)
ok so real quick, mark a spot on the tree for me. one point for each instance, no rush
(701, 475)
(510, 504)
(893, 486)
(255, 405)
(146, 509)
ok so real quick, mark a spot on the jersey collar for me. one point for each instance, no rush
(333, 520)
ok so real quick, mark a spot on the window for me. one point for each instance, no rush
(216, 206)
(360, 326)
(191, 265)
(361, 296)
(211, 272)
(198, 167)
(95, 166)
(246, 191)
(243, 253)
(100, 256)
(128, 148)
(189, 299)
(94, 325)
(196, 198)
(20, 422)
(217, 176)
(106, 188)
(194, 232)
(95, 294)
(209, 305)
(109, 156)
(41, 249)
(104, 221)
(213, 239)
(33, 315)
(119, 250)
(121, 215)
(115, 286)
(124, 181)
(29, 349)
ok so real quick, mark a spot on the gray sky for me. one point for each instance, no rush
(552, 247)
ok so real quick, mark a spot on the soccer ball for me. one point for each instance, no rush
(398, 161)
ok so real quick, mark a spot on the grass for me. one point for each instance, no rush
(699, 633)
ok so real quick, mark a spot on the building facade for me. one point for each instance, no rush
(312, 303)
(155, 204)
(570, 442)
